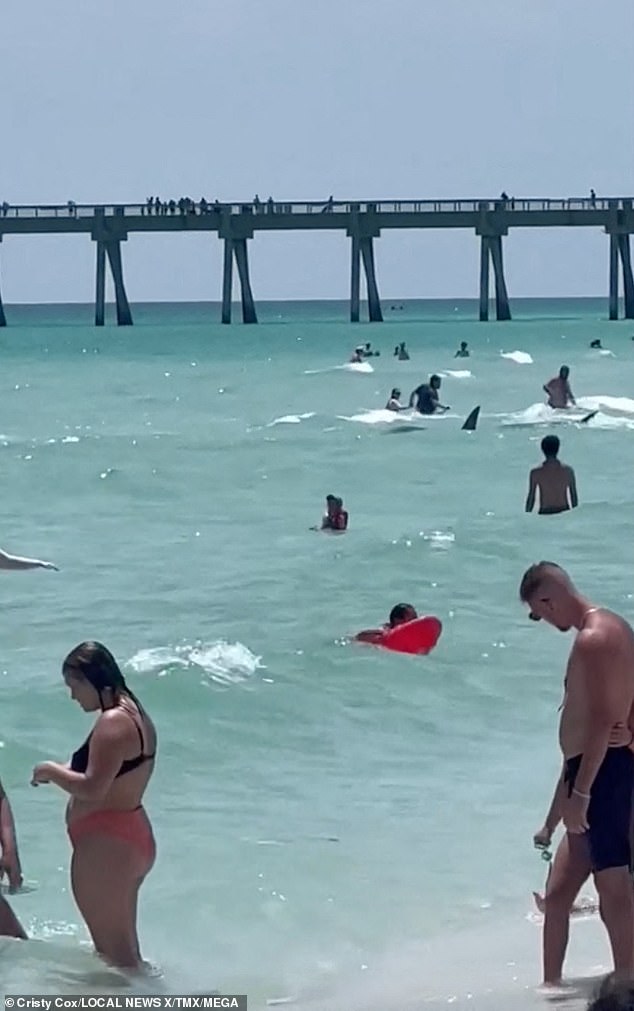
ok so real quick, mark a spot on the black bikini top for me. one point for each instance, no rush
(79, 761)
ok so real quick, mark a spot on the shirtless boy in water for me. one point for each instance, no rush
(593, 794)
(558, 389)
(555, 480)
(9, 866)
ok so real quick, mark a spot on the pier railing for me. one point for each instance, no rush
(470, 206)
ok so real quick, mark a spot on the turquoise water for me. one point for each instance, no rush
(337, 826)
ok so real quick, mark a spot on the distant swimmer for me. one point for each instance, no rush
(596, 344)
(558, 389)
(399, 614)
(556, 482)
(336, 518)
(367, 351)
(394, 403)
(357, 355)
(401, 352)
(463, 350)
(9, 868)
(425, 397)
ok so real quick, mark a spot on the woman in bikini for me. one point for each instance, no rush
(112, 839)
(9, 866)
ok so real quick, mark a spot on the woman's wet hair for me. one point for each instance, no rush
(96, 664)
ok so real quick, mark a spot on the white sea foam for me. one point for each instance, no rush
(363, 367)
(380, 416)
(291, 419)
(220, 661)
(520, 357)
(621, 416)
(457, 373)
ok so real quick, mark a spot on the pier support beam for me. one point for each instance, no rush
(491, 252)
(355, 281)
(485, 253)
(113, 250)
(100, 284)
(374, 302)
(227, 281)
(614, 277)
(628, 279)
(502, 307)
(242, 262)
(3, 318)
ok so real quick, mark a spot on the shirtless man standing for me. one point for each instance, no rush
(558, 389)
(555, 480)
(9, 865)
(594, 790)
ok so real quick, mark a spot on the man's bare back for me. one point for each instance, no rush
(557, 488)
(613, 638)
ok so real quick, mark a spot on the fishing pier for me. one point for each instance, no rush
(110, 225)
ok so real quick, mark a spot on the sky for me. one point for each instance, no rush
(300, 99)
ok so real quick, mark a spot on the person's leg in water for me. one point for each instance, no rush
(106, 874)
(570, 870)
(10, 926)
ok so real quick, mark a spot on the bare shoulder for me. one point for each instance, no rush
(113, 723)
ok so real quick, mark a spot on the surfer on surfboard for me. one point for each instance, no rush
(558, 390)
(399, 614)
(555, 481)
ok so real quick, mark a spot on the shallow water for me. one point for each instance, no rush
(336, 825)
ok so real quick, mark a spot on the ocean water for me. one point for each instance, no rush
(338, 828)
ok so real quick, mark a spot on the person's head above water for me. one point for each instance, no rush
(550, 594)
(401, 613)
(550, 447)
(434, 382)
(564, 372)
(93, 676)
(334, 504)
(395, 394)
(463, 345)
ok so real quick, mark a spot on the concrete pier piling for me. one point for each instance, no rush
(100, 284)
(362, 221)
(491, 253)
(355, 280)
(3, 318)
(374, 302)
(628, 279)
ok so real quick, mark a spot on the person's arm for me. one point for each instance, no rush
(570, 396)
(603, 704)
(107, 751)
(15, 562)
(532, 489)
(546, 388)
(371, 635)
(412, 398)
(572, 488)
(10, 861)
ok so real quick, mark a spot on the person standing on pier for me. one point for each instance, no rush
(558, 390)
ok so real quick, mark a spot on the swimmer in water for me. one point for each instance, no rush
(9, 867)
(558, 390)
(110, 832)
(463, 350)
(425, 397)
(401, 352)
(394, 403)
(336, 517)
(368, 352)
(399, 615)
(555, 480)
(357, 355)
(596, 344)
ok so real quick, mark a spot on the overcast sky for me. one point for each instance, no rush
(364, 99)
